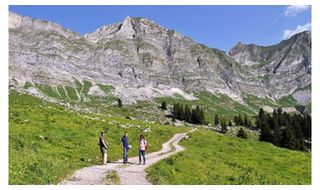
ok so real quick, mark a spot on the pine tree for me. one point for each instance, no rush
(280, 117)
(236, 120)
(187, 114)
(241, 122)
(306, 126)
(262, 118)
(285, 119)
(164, 105)
(277, 134)
(298, 133)
(175, 111)
(250, 125)
(119, 103)
(266, 133)
(246, 121)
(202, 117)
(198, 117)
(223, 126)
(194, 118)
(288, 138)
(180, 112)
(271, 121)
(216, 120)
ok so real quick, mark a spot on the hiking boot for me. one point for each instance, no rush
(144, 163)
(139, 163)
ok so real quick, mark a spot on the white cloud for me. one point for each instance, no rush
(288, 33)
(293, 10)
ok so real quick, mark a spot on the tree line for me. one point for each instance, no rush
(185, 113)
(283, 129)
(278, 128)
(243, 120)
(190, 115)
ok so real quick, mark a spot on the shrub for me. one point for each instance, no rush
(242, 134)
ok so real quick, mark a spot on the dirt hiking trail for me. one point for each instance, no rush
(129, 174)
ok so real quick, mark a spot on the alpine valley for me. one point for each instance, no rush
(205, 113)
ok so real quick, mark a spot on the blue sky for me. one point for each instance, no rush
(216, 26)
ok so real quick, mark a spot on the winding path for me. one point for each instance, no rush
(130, 174)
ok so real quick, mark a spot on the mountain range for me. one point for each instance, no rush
(139, 60)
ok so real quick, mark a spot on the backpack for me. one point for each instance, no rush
(145, 144)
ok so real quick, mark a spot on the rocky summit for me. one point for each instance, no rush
(142, 60)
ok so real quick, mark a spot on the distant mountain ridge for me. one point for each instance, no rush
(142, 60)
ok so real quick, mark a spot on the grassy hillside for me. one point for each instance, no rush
(213, 103)
(48, 143)
(211, 158)
(225, 106)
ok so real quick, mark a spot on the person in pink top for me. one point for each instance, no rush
(142, 148)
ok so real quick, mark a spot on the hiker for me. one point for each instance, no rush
(142, 148)
(125, 147)
(104, 146)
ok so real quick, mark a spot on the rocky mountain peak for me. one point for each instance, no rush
(239, 44)
(27, 24)
(126, 29)
(15, 20)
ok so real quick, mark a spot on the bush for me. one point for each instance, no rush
(164, 105)
(242, 134)
(120, 103)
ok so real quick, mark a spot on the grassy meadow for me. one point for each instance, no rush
(48, 143)
(212, 158)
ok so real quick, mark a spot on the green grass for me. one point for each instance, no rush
(86, 86)
(212, 158)
(287, 101)
(71, 91)
(256, 102)
(213, 104)
(264, 77)
(112, 178)
(48, 143)
(47, 90)
(27, 85)
(62, 92)
(78, 86)
(261, 64)
(106, 88)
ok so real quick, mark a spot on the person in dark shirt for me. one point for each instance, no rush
(103, 147)
(125, 147)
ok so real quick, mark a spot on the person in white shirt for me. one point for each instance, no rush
(142, 148)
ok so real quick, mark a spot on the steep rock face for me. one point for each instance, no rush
(141, 56)
(284, 68)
